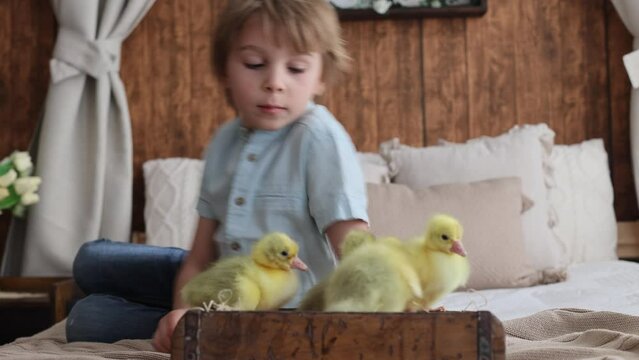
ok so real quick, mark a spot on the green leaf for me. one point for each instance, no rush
(5, 166)
(10, 200)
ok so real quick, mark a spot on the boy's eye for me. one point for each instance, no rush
(253, 66)
(296, 70)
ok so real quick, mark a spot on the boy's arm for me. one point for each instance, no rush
(203, 252)
(338, 230)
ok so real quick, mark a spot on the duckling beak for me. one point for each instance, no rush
(457, 248)
(296, 263)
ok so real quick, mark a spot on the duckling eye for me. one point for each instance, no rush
(284, 253)
(444, 237)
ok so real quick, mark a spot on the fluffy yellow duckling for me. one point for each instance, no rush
(262, 281)
(386, 274)
(440, 260)
(376, 275)
(354, 239)
(314, 298)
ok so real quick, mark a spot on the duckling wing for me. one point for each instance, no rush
(370, 279)
(248, 293)
(218, 284)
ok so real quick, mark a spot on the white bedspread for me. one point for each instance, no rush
(598, 286)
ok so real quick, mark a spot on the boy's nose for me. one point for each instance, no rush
(274, 82)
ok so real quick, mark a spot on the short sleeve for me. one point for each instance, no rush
(203, 206)
(335, 182)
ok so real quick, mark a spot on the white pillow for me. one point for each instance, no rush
(172, 188)
(374, 167)
(522, 152)
(583, 199)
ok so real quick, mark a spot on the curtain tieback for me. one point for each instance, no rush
(631, 62)
(75, 55)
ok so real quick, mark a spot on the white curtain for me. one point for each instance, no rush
(629, 12)
(83, 148)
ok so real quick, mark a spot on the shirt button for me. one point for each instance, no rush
(251, 157)
(239, 201)
(235, 246)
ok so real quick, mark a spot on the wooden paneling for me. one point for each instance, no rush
(619, 147)
(445, 78)
(381, 97)
(354, 101)
(174, 99)
(420, 80)
(27, 30)
(538, 64)
(491, 69)
(398, 87)
(584, 73)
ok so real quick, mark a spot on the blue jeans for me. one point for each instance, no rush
(129, 287)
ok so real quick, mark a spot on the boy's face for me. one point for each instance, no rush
(270, 83)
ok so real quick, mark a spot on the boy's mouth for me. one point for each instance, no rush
(271, 109)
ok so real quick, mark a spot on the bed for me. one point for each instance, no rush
(561, 293)
(592, 315)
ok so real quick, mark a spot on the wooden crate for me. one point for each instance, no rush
(320, 335)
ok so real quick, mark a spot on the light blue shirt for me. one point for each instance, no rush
(298, 180)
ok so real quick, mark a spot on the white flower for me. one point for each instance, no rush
(4, 192)
(8, 178)
(381, 6)
(409, 3)
(351, 4)
(27, 184)
(17, 188)
(22, 161)
(29, 199)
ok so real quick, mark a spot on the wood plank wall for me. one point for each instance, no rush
(420, 80)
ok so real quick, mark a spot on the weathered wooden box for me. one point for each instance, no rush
(321, 335)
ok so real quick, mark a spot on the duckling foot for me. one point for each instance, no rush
(437, 309)
(416, 307)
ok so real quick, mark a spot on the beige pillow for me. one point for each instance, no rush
(522, 152)
(490, 212)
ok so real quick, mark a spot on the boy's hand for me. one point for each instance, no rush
(164, 332)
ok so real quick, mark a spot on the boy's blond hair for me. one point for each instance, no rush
(311, 25)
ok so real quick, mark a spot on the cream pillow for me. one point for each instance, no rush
(490, 212)
(522, 152)
(583, 199)
(172, 187)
